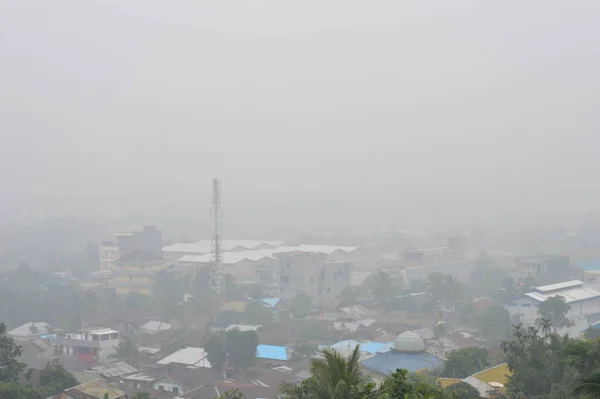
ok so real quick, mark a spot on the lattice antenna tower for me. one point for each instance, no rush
(217, 275)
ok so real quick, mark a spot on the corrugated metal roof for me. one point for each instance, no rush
(114, 369)
(25, 329)
(205, 246)
(573, 294)
(559, 286)
(155, 326)
(242, 327)
(189, 356)
(271, 352)
(270, 302)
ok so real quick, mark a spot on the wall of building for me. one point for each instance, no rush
(136, 277)
(168, 386)
(461, 270)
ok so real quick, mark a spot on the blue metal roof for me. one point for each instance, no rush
(372, 347)
(348, 344)
(593, 264)
(271, 352)
(270, 302)
(386, 363)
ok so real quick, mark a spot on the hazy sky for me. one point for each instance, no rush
(348, 109)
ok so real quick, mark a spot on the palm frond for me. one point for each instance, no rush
(589, 386)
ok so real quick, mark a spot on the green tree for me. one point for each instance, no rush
(462, 390)
(301, 305)
(241, 348)
(348, 297)
(494, 324)
(10, 366)
(142, 395)
(332, 376)
(555, 310)
(173, 340)
(233, 394)
(55, 378)
(384, 287)
(461, 363)
(14, 390)
(546, 325)
(127, 351)
(216, 352)
(588, 387)
(258, 314)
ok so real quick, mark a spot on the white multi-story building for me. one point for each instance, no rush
(312, 274)
(109, 253)
(584, 302)
(90, 346)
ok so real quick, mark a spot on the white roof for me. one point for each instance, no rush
(189, 356)
(326, 249)
(102, 331)
(153, 325)
(242, 327)
(25, 329)
(357, 278)
(205, 246)
(559, 286)
(571, 292)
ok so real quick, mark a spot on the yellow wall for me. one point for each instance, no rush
(123, 279)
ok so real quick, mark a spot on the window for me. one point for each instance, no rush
(175, 390)
(512, 304)
(526, 305)
(161, 387)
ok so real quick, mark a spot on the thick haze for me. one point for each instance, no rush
(348, 110)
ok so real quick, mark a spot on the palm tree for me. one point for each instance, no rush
(333, 377)
(384, 286)
(546, 325)
(589, 386)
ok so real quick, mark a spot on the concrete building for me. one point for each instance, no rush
(544, 269)
(109, 253)
(312, 274)
(584, 302)
(136, 272)
(90, 346)
(149, 240)
(454, 250)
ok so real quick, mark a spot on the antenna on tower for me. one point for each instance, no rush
(217, 275)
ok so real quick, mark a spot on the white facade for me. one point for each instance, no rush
(584, 302)
(109, 253)
(312, 274)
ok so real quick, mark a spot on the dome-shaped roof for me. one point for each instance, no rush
(409, 342)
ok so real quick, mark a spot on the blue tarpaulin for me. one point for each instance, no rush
(271, 352)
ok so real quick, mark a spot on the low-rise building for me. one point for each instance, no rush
(109, 253)
(543, 269)
(92, 346)
(583, 300)
(136, 272)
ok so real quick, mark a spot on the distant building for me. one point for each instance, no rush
(149, 239)
(312, 274)
(97, 389)
(136, 272)
(584, 302)
(454, 250)
(109, 253)
(90, 346)
(543, 269)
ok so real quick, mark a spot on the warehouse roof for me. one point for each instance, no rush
(205, 246)
(571, 291)
(190, 356)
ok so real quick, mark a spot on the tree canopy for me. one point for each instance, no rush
(10, 366)
(555, 309)
(301, 305)
(461, 363)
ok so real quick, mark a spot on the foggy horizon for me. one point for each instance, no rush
(314, 111)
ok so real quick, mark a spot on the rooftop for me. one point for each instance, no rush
(385, 363)
(571, 291)
(205, 246)
(498, 373)
(242, 327)
(271, 352)
(139, 256)
(96, 389)
(29, 329)
(190, 356)
(114, 369)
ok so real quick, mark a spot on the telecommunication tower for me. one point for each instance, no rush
(217, 275)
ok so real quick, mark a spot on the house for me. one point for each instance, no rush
(114, 370)
(90, 346)
(136, 272)
(97, 389)
(189, 357)
(583, 300)
(152, 327)
(32, 330)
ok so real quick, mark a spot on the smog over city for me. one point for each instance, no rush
(241, 199)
